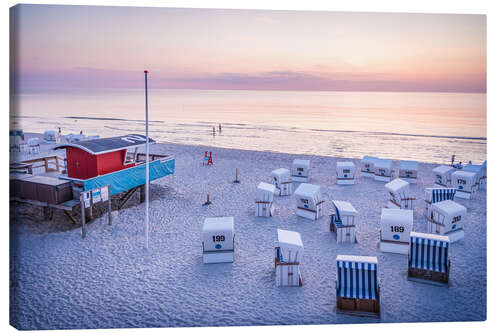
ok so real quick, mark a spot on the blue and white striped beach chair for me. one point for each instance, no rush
(357, 287)
(428, 258)
(433, 195)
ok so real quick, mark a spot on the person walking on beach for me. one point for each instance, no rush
(213, 130)
(220, 128)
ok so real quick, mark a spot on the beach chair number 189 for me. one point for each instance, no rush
(397, 229)
(218, 238)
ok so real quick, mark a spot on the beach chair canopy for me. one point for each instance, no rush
(357, 277)
(367, 162)
(464, 180)
(297, 163)
(265, 192)
(343, 208)
(290, 246)
(439, 194)
(398, 186)
(217, 233)
(345, 165)
(472, 168)
(308, 192)
(396, 224)
(443, 170)
(450, 210)
(281, 175)
(409, 165)
(383, 164)
(429, 251)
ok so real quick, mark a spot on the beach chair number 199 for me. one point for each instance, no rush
(397, 229)
(218, 238)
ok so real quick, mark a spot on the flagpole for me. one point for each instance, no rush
(147, 159)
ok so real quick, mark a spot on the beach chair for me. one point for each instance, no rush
(399, 194)
(282, 181)
(479, 171)
(309, 201)
(301, 171)
(428, 258)
(395, 228)
(345, 173)
(447, 218)
(367, 166)
(408, 171)
(218, 240)
(466, 184)
(342, 221)
(442, 175)
(433, 195)
(33, 146)
(288, 254)
(384, 170)
(357, 288)
(264, 203)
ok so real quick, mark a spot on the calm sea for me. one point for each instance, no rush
(426, 127)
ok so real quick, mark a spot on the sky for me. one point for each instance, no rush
(109, 47)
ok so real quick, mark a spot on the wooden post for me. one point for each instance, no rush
(109, 205)
(82, 203)
(208, 202)
(143, 193)
(57, 163)
(46, 162)
(236, 180)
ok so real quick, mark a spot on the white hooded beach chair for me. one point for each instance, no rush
(33, 146)
(428, 258)
(301, 171)
(384, 170)
(395, 228)
(447, 218)
(288, 254)
(218, 240)
(282, 180)
(342, 221)
(264, 203)
(466, 184)
(357, 287)
(442, 175)
(399, 194)
(433, 195)
(367, 166)
(480, 172)
(309, 201)
(408, 171)
(51, 137)
(345, 173)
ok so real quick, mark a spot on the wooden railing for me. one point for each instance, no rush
(47, 164)
(141, 157)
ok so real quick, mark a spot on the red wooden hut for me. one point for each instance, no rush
(88, 159)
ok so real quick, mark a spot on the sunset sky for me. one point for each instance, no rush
(78, 46)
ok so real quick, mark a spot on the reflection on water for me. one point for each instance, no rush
(421, 126)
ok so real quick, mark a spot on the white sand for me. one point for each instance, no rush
(60, 281)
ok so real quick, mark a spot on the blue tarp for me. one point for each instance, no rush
(124, 180)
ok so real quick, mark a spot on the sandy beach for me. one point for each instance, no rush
(61, 281)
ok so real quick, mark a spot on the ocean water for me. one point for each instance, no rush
(427, 127)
